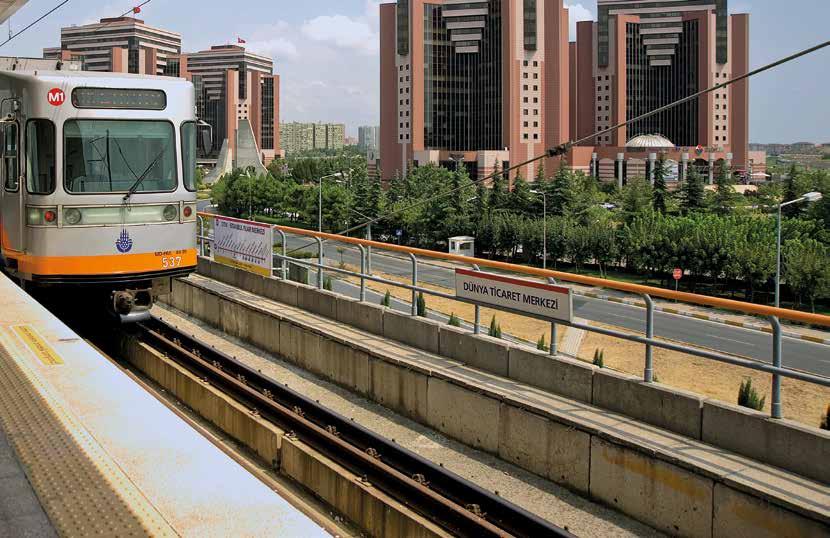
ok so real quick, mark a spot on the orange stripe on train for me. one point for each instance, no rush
(104, 265)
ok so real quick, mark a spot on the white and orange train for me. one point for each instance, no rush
(98, 184)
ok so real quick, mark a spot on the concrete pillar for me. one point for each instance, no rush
(620, 159)
(684, 167)
(594, 166)
(652, 163)
(711, 168)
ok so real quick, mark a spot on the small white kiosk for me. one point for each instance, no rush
(463, 245)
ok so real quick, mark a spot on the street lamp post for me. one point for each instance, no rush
(544, 228)
(809, 197)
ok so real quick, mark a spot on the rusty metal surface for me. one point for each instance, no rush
(449, 500)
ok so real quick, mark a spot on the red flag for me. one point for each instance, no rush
(136, 10)
(240, 40)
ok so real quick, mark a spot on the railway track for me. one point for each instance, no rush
(450, 501)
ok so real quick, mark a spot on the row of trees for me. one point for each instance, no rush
(725, 241)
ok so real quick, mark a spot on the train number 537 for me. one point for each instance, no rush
(170, 262)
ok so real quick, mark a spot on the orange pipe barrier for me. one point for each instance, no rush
(693, 298)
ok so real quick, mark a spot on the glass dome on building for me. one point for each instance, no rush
(649, 141)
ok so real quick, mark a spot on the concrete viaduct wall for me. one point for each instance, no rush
(691, 494)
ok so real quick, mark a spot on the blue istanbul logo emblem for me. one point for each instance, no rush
(124, 243)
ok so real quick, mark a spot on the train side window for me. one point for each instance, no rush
(10, 166)
(40, 157)
(189, 155)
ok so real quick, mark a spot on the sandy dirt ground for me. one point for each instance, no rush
(803, 402)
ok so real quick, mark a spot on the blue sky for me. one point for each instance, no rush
(327, 52)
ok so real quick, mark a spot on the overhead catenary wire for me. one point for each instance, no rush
(54, 9)
(60, 5)
(563, 148)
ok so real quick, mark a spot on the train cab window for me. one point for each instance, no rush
(104, 156)
(189, 155)
(40, 156)
(11, 170)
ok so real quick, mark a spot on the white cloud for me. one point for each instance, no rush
(280, 48)
(328, 66)
(576, 13)
(343, 31)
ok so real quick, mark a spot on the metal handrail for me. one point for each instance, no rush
(648, 339)
(638, 289)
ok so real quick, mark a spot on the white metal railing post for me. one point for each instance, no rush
(477, 322)
(321, 262)
(777, 352)
(414, 283)
(362, 272)
(201, 221)
(648, 373)
(283, 261)
(554, 336)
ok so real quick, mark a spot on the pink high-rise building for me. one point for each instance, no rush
(483, 83)
(644, 54)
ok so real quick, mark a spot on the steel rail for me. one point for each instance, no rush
(451, 501)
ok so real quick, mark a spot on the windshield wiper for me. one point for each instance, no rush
(143, 175)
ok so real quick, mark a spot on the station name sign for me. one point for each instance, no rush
(541, 300)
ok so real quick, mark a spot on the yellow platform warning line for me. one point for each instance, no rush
(81, 488)
(37, 345)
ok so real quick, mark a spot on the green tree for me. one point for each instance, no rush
(792, 190)
(748, 396)
(807, 269)
(692, 195)
(726, 198)
(561, 194)
(660, 190)
(421, 305)
(603, 244)
(540, 174)
(481, 204)
(520, 199)
(636, 198)
(498, 192)
(753, 259)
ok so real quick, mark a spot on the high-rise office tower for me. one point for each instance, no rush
(120, 45)
(236, 92)
(483, 83)
(643, 54)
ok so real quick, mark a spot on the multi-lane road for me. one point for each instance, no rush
(749, 343)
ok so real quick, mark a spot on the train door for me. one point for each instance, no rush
(12, 204)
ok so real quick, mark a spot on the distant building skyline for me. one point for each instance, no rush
(368, 138)
(304, 136)
(235, 88)
(641, 55)
(493, 83)
(119, 44)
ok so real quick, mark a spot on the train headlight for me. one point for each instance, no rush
(72, 216)
(42, 216)
(170, 213)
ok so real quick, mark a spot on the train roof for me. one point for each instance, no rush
(92, 78)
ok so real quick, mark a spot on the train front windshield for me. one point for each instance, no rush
(112, 156)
